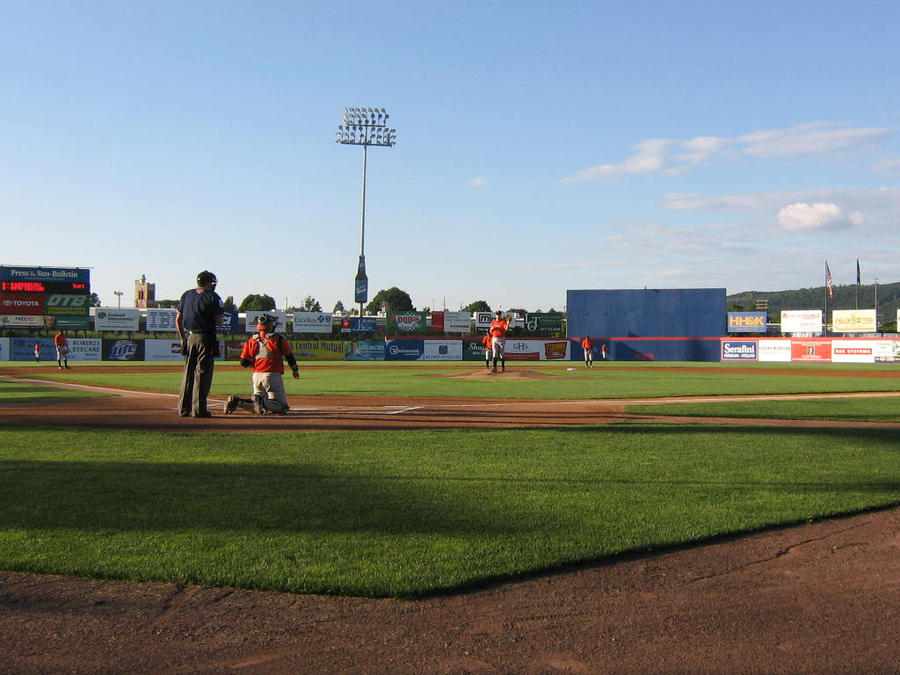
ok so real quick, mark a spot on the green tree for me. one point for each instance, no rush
(310, 304)
(477, 306)
(395, 299)
(257, 303)
(338, 308)
(95, 301)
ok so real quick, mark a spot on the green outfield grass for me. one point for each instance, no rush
(550, 380)
(405, 513)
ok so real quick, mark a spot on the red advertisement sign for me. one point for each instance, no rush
(22, 303)
(811, 350)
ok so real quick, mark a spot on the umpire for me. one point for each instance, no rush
(198, 314)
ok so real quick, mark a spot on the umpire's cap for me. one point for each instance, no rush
(206, 277)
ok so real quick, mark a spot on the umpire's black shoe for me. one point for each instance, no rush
(202, 413)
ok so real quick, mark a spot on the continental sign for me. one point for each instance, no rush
(747, 322)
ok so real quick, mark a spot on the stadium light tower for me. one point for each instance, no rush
(365, 127)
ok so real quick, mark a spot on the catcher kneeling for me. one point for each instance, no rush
(266, 353)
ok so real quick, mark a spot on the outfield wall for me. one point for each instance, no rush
(650, 324)
(726, 349)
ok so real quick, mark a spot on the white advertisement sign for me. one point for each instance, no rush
(85, 349)
(21, 321)
(4, 349)
(774, 351)
(110, 318)
(457, 322)
(853, 321)
(250, 320)
(162, 350)
(312, 322)
(801, 321)
(442, 350)
(525, 349)
(161, 320)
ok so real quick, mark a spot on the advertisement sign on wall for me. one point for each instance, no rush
(526, 349)
(364, 350)
(443, 350)
(739, 351)
(747, 322)
(774, 351)
(483, 319)
(22, 349)
(161, 320)
(457, 322)
(801, 321)
(162, 350)
(404, 350)
(811, 350)
(110, 318)
(250, 320)
(312, 322)
(85, 349)
(318, 350)
(21, 321)
(4, 349)
(544, 323)
(123, 350)
(21, 303)
(853, 321)
(407, 323)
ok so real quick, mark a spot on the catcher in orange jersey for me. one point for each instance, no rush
(498, 330)
(487, 341)
(266, 353)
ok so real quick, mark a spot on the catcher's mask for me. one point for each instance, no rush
(266, 322)
(206, 277)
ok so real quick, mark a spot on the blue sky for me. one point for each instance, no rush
(541, 146)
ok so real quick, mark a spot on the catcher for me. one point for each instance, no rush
(266, 353)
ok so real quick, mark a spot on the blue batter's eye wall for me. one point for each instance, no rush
(651, 324)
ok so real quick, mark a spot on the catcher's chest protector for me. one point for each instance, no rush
(264, 351)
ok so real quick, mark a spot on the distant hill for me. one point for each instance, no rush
(814, 298)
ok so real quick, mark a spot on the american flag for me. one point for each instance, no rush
(829, 281)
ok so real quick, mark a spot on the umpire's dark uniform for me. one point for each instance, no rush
(199, 313)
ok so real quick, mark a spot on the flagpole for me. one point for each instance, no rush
(825, 314)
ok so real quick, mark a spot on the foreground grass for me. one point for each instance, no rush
(844, 409)
(545, 380)
(395, 514)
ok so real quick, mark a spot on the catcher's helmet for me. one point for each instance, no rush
(206, 277)
(266, 322)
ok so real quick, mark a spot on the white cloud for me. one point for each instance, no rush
(478, 181)
(818, 216)
(668, 156)
(812, 138)
(874, 207)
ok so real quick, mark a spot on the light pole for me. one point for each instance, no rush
(365, 127)
(119, 295)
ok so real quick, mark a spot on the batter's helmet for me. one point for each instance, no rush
(206, 277)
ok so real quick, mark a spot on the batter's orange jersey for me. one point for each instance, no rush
(60, 340)
(587, 344)
(486, 341)
(267, 352)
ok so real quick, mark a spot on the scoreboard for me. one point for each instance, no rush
(45, 297)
